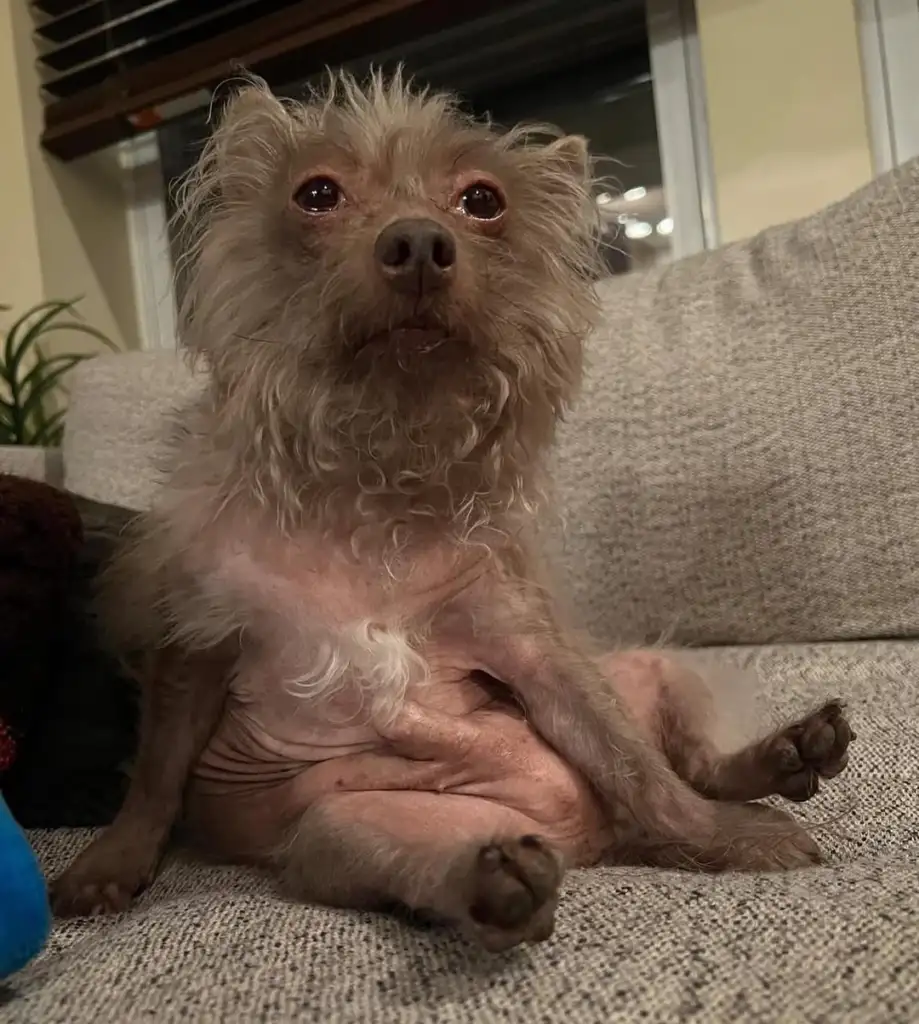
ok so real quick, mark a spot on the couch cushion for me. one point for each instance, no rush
(743, 466)
(831, 944)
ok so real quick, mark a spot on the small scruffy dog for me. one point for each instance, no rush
(351, 664)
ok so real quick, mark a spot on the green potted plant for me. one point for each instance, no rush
(32, 385)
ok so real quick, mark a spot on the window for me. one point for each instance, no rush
(616, 113)
(620, 73)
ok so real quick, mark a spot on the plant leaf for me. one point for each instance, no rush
(14, 349)
(45, 363)
(37, 416)
(81, 328)
(50, 432)
(39, 381)
(26, 416)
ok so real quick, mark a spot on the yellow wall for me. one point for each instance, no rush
(786, 110)
(20, 263)
(64, 225)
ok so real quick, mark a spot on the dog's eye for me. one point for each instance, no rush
(481, 202)
(318, 195)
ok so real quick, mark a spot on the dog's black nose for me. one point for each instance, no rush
(416, 255)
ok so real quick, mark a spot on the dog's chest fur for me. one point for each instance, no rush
(324, 629)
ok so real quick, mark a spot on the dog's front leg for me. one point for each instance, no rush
(182, 696)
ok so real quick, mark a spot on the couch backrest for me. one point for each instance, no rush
(743, 465)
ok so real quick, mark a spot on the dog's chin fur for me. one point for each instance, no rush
(330, 403)
(405, 354)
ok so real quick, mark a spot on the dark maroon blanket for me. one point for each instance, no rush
(67, 714)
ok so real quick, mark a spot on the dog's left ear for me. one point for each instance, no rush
(254, 132)
(572, 154)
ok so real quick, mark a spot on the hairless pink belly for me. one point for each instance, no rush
(263, 769)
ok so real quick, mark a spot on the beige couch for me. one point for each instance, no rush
(742, 475)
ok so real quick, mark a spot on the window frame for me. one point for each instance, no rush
(889, 43)
(682, 126)
(148, 240)
(678, 82)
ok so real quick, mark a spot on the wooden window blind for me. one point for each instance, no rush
(113, 68)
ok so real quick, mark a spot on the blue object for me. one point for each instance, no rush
(25, 913)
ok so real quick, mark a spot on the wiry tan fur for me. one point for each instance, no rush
(356, 496)
(290, 428)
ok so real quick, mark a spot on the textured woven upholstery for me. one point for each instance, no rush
(741, 469)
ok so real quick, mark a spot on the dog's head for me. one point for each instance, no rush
(384, 286)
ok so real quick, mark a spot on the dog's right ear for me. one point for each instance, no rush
(254, 132)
